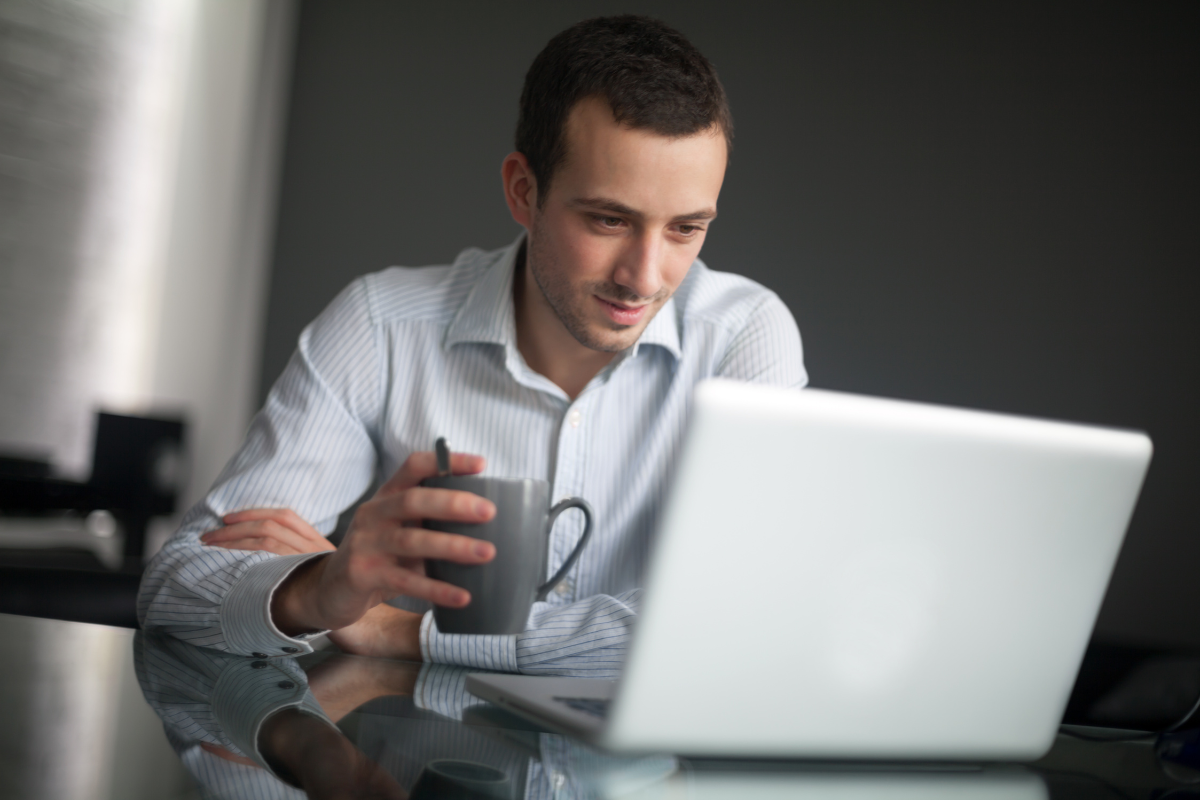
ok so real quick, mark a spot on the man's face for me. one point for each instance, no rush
(626, 215)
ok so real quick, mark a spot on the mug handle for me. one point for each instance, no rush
(585, 507)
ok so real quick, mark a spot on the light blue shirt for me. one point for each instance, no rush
(404, 356)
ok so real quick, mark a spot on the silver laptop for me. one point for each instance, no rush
(840, 576)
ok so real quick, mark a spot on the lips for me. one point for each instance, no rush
(621, 313)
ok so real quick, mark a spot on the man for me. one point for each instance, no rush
(570, 355)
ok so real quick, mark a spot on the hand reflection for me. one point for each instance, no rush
(316, 757)
(343, 683)
(226, 714)
(322, 761)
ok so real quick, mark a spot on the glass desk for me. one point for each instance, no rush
(98, 712)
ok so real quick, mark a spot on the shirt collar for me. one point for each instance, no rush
(663, 331)
(487, 314)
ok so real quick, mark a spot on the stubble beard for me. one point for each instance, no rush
(566, 305)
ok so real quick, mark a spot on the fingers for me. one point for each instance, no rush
(446, 505)
(221, 752)
(419, 466)
(282, 516)
(421, 543)
(391, 562)
(265, 535)
(413, 584)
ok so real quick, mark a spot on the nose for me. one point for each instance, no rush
(640, 267)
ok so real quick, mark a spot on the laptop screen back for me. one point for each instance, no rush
(848, 577)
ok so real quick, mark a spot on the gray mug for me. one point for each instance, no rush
(503, 590)
(454, 779)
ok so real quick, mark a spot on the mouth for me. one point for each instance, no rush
(622, 314)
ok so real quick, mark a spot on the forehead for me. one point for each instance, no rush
(638, 167)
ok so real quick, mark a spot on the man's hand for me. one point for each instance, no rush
(275, 530)
(384, 552)
(383, 632)
(341, 684)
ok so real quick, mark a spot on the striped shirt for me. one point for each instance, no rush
(404, 356)
(204, 696)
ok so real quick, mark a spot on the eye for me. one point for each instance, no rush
(609, 222)
(689, 230)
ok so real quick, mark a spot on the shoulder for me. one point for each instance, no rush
(372, 303)
(724, 300)
(420, 294)
(739, 329)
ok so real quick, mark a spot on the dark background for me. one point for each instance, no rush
(989, 205)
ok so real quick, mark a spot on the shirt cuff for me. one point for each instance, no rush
(442, 689)
(245, 612)
(497, 653)
(249, 692)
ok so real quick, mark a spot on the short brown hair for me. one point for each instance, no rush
(651, 76)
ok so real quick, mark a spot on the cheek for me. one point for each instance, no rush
(676, 268)
(562, 245)
(584, 258)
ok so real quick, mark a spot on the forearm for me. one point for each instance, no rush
(185, 583)
(294, 608)
(309, 450)
(290, 741)
(216, 598)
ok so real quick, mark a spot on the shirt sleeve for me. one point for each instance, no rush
(584, 639)
(766, 348)
(310, 449)
(205, 696)
(442, 689)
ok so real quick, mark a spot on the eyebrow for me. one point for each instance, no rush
(605, 204)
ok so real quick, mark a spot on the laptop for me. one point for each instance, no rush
(848, 577)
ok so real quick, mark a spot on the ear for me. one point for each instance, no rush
(520, 188)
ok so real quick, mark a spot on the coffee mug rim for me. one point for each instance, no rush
(435, 766)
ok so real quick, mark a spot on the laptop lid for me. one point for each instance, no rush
(840, 576)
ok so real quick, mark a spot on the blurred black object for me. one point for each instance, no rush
(1135, 688)
(13, 466)
(137, 470)
(1180, 749)
(104, 598)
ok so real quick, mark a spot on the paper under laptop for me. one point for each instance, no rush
(840, 576)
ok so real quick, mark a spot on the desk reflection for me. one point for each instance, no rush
(847, 783)
(344, 726)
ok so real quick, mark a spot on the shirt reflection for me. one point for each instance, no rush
(345, 726)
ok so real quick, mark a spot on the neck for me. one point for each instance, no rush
(545, 343)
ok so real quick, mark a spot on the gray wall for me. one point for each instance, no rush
(993, 206)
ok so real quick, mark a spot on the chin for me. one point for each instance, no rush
(609, 341)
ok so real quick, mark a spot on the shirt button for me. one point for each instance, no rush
(259, 665)
(259, 655)
(574, 418)
(562, 589)
(286, 685)
(291, 649)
